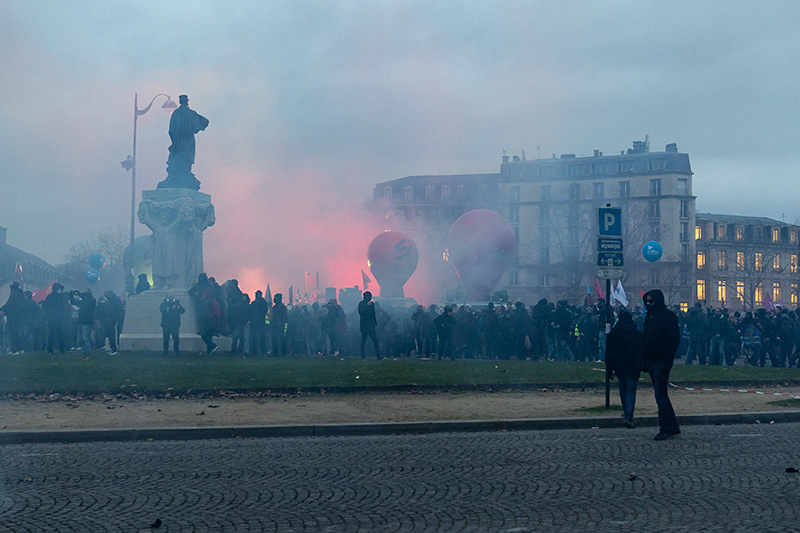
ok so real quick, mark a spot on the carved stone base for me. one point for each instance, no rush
(142, 328)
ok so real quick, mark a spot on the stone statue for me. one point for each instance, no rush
(177, 240)
(183, 125)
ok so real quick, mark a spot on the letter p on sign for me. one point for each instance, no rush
(609, 222)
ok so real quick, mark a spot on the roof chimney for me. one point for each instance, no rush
(671, 147)
(505, 159)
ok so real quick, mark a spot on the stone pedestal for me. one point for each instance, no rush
(177, 218)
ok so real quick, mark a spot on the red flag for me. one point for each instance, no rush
(641, 294)
(365, 279)
(597, 288)
(43, 293)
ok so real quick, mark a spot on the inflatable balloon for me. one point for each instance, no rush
(392, 257)
(652, 251)
(481, 245)
(91, 276)
(97, 261)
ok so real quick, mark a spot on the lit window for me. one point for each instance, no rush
(740, 290)
(446, 255)
(739, 233)
(722, 291)
(739, 260)
(701, 260)
(776, 235)
(793, 263)
(409, 192)
(759, 261)
(793, 296)
(721, 232)
(776, 262)
(758, 295)
(698, 233)
(685, 307)
(723, 261)
(701, 289)
(793, 236)
(776, 292)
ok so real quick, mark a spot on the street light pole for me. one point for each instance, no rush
(130, 164)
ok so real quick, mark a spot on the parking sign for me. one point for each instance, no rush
(609, 222)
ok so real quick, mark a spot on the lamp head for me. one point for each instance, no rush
(169, 106)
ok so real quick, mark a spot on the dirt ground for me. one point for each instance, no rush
(70, 413)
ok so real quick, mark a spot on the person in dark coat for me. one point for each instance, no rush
(109, 314)
(86, 307)
(660, 341)
(368, 324)
(58, 311)
(329, 318)
(624, 360)
(278, 322)
(171, 311)
(143, 285)
(14, 311)
(259, 308)
(445, 323)
(208, 319)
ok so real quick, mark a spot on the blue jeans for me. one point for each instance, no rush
(696, 348)
(627, 395)
(717, 349)
(659, 374)
(86, 338)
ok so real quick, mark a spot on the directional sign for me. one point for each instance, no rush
(609, 222)
(609, 245)
(610, 259)
(609, 273)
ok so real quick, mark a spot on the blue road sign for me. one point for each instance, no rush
(610, 259)
(609, 222)
(609, 245)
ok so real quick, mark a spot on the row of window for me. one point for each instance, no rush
(598, 169)
(737, 290)
(624, 191)
(430, 191)
(720, 233)
(757, 261)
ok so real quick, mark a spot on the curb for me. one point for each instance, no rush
(369, 429)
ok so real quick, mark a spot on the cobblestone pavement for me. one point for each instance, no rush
(717, 478)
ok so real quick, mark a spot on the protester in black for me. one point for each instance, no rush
(171, 311)
(624, 360)
(368, 324)
(660, 341)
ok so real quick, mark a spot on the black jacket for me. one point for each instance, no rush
(661, 336)
(624, 349)
(171, 312)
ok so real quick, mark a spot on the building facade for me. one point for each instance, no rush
(551, 204)
(744, 263)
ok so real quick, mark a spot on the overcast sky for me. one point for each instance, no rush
(312, 103)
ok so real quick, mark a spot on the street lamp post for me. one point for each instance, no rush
(130, 163)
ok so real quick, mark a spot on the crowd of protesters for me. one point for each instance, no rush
(62, 321)
(271, 326)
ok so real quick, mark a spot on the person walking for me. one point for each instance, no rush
(660, 341)
(368, 324)
(624, 360)
(86, 307)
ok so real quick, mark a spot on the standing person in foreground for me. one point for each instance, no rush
(660, 341)
(171, 311)
(368, 324)
(624, 360)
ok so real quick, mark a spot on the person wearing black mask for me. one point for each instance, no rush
(624, 360)
(660, 341)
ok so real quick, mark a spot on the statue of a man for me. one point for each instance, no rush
(183, 125)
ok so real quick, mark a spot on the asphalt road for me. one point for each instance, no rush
(712, 478)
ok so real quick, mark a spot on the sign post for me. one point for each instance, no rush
(609, 261)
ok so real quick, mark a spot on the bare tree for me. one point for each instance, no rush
(110, 242)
